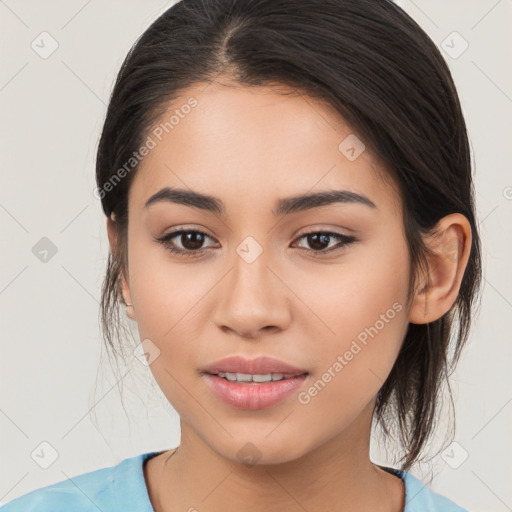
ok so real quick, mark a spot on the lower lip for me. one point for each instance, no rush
(253, 395)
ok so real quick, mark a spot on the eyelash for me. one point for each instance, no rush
(343, 239)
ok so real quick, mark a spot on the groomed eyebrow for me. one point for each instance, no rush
(284, 206)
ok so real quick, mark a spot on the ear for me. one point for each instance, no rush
(450, 246)
(125, 288)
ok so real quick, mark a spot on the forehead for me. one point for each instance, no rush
(254, 144)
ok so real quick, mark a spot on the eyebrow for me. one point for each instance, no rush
(285, 206)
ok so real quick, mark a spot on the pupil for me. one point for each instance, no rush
(194, 240)
(313, 241)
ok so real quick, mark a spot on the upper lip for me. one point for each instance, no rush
(258, 366)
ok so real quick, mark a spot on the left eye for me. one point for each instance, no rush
(192, 241)
(319, 239)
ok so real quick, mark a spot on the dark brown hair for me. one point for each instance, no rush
(385, 77)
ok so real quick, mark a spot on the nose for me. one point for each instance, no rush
(252, 299)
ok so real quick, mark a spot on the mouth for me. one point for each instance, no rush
(257, 383)
(254, 391)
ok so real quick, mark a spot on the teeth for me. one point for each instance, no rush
(247, 377)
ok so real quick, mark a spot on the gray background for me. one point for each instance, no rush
(56, 388)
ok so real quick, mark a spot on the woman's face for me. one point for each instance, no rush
(254, 285)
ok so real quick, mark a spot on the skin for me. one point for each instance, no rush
(250, 147)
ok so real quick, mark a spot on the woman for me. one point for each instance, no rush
(289, 204)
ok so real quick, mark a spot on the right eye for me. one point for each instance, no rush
(190, 239)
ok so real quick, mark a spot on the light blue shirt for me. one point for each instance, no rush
(122, 488)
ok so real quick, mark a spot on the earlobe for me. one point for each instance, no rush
(125, 289)
(450, 245)
(130, 312)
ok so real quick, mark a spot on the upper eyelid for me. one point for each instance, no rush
(186, 230)
(203, 231)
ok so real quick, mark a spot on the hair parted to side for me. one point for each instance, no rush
(385, 77)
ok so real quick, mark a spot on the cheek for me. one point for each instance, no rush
(350, 296)
(363, 304)
(167, 292)
(168, 300)
(354, 368)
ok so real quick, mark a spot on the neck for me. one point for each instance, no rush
(336, 475)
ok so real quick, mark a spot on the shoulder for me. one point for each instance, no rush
(420, 498)
(79, 493)
(104, 489)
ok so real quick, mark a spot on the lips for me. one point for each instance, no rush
(258, 366)
(241, 395)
